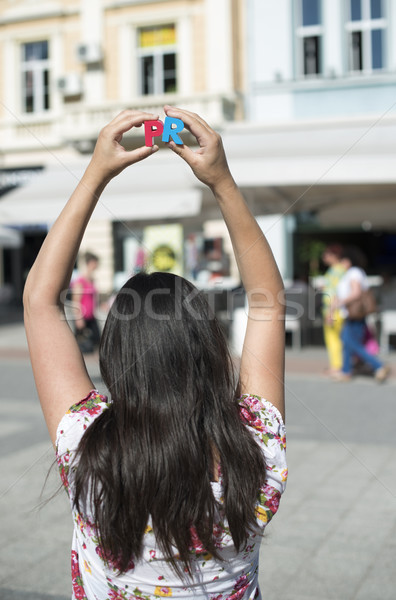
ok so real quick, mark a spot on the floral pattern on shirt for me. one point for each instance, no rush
(95, 576)
(77, 582)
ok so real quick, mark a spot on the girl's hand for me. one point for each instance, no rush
(209, 162)
(110, 157)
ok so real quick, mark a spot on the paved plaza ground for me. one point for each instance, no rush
(333, 538)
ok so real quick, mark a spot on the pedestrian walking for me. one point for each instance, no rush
(173, 480)
(84, 296)
(332, 318)
(350, 292)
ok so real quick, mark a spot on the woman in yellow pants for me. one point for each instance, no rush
(332, 320)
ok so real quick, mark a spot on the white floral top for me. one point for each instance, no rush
(235, 578)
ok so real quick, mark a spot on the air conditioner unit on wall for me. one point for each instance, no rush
(70, 84)
(89, 53)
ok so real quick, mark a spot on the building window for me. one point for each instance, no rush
(309, 37)
(35, 77)
(366, 29)
(157, 59)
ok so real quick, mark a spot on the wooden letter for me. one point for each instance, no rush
(170, 131)
(152, 129)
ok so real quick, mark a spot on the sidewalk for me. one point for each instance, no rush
(13, 340)
(312, 360)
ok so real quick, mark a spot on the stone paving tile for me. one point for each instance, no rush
(9, 594)
(328, 534)
(331, 576)
(379, 580)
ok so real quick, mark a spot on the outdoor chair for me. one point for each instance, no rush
(388, 328)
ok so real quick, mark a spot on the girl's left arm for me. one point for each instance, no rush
(59, 369)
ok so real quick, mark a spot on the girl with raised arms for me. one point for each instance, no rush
(173, 480)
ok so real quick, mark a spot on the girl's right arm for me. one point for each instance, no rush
(58, 366)
(262, 360)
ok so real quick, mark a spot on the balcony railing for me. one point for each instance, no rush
(74, 124)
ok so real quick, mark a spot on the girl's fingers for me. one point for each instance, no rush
(173, 109)
(183, 151)
(128, 119)
(134, 121)
(134, 115)
(193, 123)
(139, 154)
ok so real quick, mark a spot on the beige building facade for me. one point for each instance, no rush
(68, 66)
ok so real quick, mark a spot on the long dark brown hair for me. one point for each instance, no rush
(174, 415)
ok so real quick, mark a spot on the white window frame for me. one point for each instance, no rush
(307, 31)
(37, 67)
(366, 25)
(157, 52)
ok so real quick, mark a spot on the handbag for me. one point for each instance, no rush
(370, 341)
(362, 307)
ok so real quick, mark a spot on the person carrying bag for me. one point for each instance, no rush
(355, 301)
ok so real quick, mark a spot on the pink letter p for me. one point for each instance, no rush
(152, 129)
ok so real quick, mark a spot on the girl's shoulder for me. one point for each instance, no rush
(267, 425)
(91, 404)
(260, 407)
(265, 421)
(78, 418)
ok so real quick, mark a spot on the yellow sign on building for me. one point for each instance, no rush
(164, 35)
(164, 246)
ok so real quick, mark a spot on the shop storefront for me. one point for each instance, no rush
(19, 244)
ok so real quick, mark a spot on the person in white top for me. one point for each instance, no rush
(350, 288)
(173, 481)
